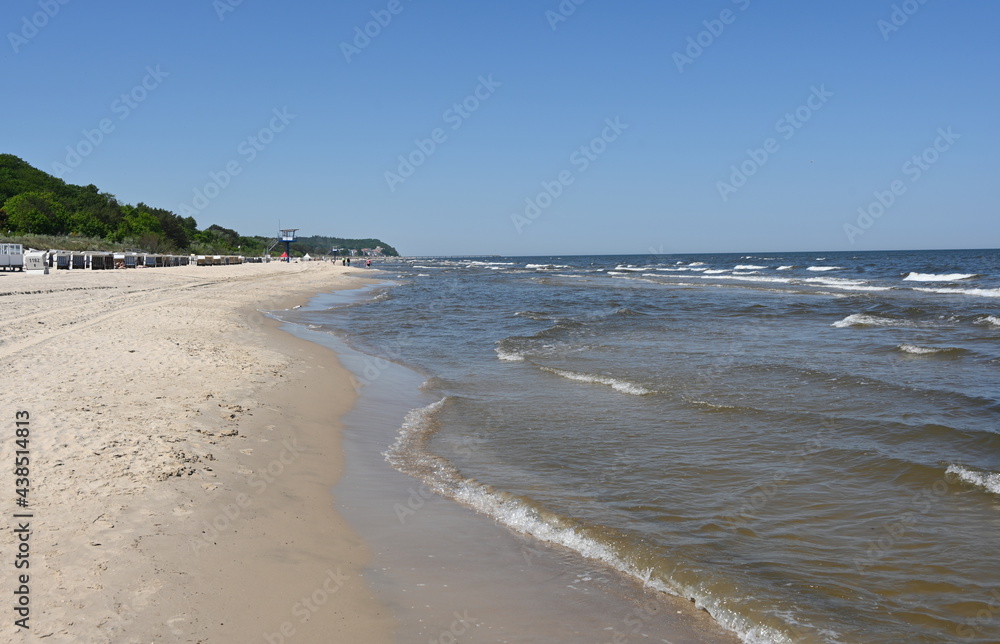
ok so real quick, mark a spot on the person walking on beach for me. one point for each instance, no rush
(368, 263)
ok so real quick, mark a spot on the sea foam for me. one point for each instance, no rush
(509, 356)
(935, 277)
(845, 284)
(623, 386)
(924, 351)
(989, 481)
(861, 319)
(978, 292)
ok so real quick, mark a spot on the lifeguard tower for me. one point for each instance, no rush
(287, 235)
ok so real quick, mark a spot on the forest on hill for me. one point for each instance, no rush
(34, 203)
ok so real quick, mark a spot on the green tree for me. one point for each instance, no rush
(87, 225)
(37, 213)
(137, 223)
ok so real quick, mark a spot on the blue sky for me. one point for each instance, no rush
(735, 125)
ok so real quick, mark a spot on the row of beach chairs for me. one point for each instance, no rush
(12, 258)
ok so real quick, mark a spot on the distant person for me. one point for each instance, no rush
(348, 261)
(368, 263)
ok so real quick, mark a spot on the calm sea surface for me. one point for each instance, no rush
(807, 445)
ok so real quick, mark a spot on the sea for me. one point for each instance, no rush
(805, 445)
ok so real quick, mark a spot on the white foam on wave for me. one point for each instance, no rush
(938, 277)
(848, 287)
(846, 284)
(861, 319)
(748, 267)
(623, 386)
(683, 269)
(509, 356)
(748, 277)
(546, 267)
(716, 271)
(989, 481)
(989, 319)
(785, 268)
(696, 264)
(920, 351)
(978, 292)
(825, 268)
(630, 267)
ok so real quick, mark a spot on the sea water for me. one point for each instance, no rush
(807, 445)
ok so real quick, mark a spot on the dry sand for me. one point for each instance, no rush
(182, 451)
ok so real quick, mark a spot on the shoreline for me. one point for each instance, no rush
(182, 452)
(451, 573)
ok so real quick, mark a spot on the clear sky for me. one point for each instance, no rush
(599, 127)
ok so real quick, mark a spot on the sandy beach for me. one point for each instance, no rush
(181, 453)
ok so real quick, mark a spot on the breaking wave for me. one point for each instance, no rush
(989, 481)
(935, 277)
(623, 386)
(862, 319)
